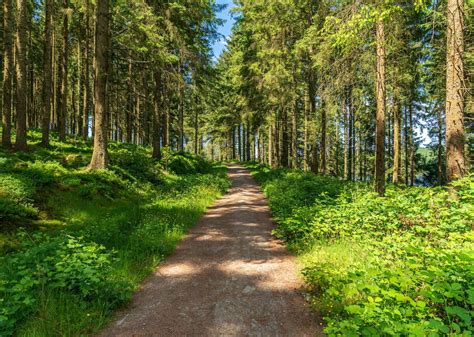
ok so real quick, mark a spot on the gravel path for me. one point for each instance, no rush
(228, 277)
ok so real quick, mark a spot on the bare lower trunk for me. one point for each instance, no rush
(455, 137)
(100, 155)
(396, 142)
(157, 117)
(21, 85)
(323, 138)
(7, 72)
(47, 74)
(380, 116)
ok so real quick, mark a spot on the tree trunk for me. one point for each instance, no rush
(440, 147)
(100, 155)
(270, 145)
(412, 148)
(380, 116)
(21, 85)
(323, 137)
(348, 135)
(157, 117)
(396, 142)
(62, 114)
(87, 87)
(307, 109)
(294, 136)
(455, 90)
(7, 72)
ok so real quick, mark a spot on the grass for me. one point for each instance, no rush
(75, 244)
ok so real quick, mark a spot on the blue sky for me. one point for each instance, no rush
(225, 30)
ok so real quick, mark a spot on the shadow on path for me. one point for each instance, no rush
(228, 277)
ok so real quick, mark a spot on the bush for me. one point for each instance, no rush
(394, 266)
(65, 264)
(185, 163)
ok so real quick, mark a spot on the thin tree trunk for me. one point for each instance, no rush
(294, 136)
(380, 116)
(157, 117)
(412, 148)
(406, 141)
(307, 109)
(87, 87)
(100, 155)
(323, 138)
(21, 86)
(7, 72)
(396, 142)
(440, 147)
(455, 91)
(64, 79)
(270, 145)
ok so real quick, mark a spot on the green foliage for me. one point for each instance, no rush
(76, 242)
(185, 163)
(394, 266)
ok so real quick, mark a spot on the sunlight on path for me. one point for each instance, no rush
(229, 277)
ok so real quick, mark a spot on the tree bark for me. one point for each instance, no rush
(87, 87)
(380, 115)
(7, 72)
(157, 117)
(323, 137)
(47, 72)
(63, 92)
(100, 155)
(396, 142)
(455, 91)
(21, 85)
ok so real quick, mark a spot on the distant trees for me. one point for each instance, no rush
(344, 88)
(135, 86)
(338, 88)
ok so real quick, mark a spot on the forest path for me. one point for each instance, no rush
(228, 277)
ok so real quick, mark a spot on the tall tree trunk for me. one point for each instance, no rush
(100, 155)
(396, 142)
(380, 116)
(157, 116)
(270, 145)
(248, 141)
(21, 86)
(412, 147)
(307, 108)
(7, 72)
(62, 115)
(323, 137)
(294, 135)
(455, 91)
(348, 135)
(407, 143)
(196, 129)
(87, 88)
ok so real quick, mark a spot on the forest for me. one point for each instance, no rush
(355, 118)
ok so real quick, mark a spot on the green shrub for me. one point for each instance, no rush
(185, 163)
(401, 265)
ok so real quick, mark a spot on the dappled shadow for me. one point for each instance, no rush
(229, 277)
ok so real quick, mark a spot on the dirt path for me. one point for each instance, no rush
(228, 277)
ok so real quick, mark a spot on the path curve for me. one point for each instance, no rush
(228, 277)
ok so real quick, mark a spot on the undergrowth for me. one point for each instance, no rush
(401, 265)
(75, 243)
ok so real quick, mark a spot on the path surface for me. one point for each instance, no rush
(228, 277)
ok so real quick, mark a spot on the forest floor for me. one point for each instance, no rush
(229, 276)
